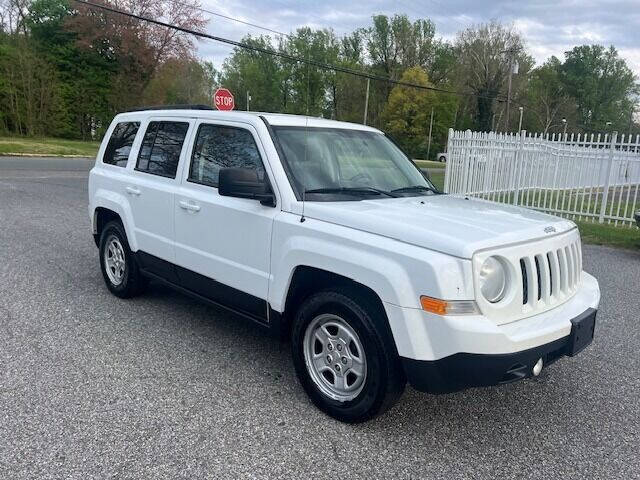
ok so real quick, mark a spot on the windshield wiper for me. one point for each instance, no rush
(352, 191)
(415, 188)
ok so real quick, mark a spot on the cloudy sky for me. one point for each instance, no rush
(549, 27)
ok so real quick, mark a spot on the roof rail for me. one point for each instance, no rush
(172, 107)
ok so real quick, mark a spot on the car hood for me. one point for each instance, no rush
(450, 224)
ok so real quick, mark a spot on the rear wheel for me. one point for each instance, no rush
(119, 268)
(344, 356)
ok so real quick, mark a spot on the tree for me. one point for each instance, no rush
(485, 55)
(84, 76)
(602, 85)
(28, 90)
(179, 81)
(258, 73)
(13, 14)
(309, 86)
(137, 48)
(397, 44)
(547, 97)
(407, 114)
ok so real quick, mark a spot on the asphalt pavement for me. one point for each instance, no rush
(162, 386)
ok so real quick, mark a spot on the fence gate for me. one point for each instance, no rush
(581, 177)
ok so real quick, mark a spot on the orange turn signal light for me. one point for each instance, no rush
(448, 307)
(434, 305)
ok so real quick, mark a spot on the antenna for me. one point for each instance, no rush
(304, 191)
(306, 136)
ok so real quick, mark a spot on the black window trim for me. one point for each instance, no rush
(139, 122)
(195, 141)
(184, 142)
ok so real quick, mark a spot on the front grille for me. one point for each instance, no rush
(551, 276)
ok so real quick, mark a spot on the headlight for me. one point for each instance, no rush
(493, 280)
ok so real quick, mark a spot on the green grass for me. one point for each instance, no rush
(438, 179)
(47, 146)
(429, 164)
(621, 237)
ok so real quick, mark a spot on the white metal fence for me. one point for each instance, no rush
(583, 177)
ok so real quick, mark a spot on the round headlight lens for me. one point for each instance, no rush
(493, 280)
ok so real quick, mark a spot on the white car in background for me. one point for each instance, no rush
(327, 233)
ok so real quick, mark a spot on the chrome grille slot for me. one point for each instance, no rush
(539, 283)
(525, 282)
(552, 260)
(530, 281)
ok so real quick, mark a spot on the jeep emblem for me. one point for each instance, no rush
(549, 229)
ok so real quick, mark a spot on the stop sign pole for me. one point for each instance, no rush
(223, 99)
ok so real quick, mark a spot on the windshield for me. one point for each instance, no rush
(339, 164)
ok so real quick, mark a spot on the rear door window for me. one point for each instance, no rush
(161, 147)
(120, 143)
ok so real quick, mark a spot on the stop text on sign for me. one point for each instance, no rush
(223, 99)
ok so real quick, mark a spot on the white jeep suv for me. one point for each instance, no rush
(327, 232)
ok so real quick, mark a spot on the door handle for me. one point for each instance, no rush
(192, 207)
(133, 191)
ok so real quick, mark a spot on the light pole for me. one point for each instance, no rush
(248, 100)
(520, 122)
(564, 121)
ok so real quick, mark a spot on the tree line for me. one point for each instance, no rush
(66, 69)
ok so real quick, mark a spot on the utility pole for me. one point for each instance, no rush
(366, 102)
(513, 67)
(430, 129)
(509, 91)
(248, 100)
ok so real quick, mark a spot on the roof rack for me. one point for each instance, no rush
(172, 107)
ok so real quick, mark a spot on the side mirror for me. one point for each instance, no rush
(244, 183)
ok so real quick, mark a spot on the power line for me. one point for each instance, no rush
(286, 56)
(266, 29)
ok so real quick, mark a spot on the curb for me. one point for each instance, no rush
(47, 155)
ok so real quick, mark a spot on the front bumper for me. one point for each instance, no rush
(421, 335)
(465, 370)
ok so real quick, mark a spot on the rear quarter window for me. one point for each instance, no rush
(120, 143)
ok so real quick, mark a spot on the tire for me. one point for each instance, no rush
(442, 159)
(371, 380)
(123, 277)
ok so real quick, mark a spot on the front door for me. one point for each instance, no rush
(223, 244)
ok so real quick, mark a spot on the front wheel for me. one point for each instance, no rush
(345, 357)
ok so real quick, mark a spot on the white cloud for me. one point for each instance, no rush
(549, 27)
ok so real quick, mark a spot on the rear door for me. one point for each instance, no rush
(151, 191)
(223, 244)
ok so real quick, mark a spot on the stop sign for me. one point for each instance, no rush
(223, 99)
